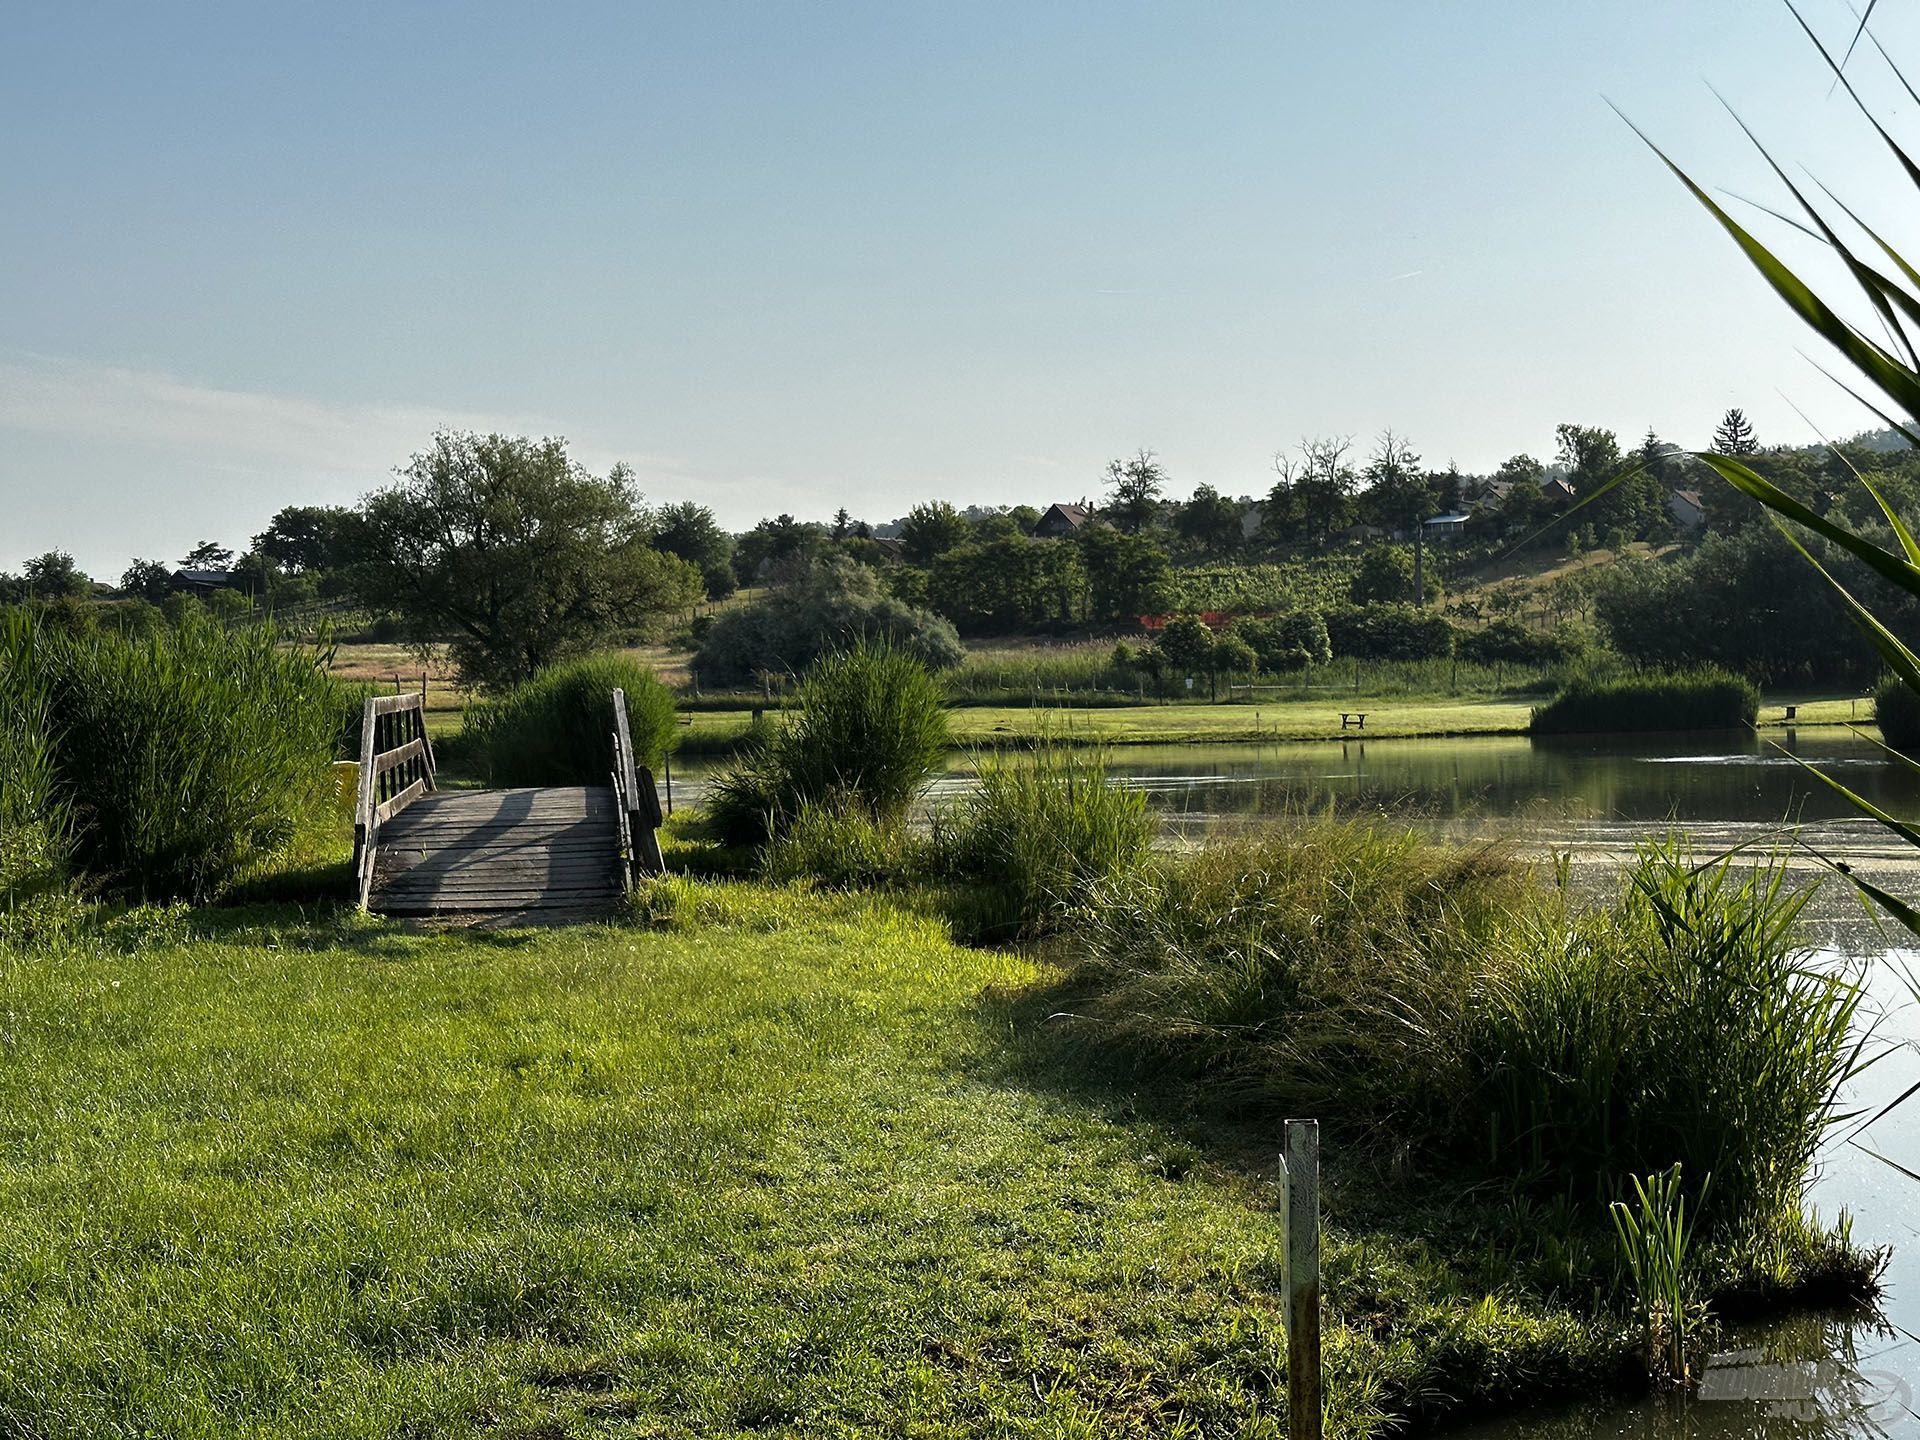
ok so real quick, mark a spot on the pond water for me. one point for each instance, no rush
(1593, 799)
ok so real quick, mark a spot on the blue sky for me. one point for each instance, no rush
(784, 257)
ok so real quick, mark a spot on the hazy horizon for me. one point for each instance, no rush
(789, 260)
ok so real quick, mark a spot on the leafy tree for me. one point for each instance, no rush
(1187, 644)
(1127, 575)
(690, 531)
(1211, 523)
(932, 529)
(207, 555)
(305, 538)
(148, 579)
(831, 607)
(1385, 574)
(1313, 497)
(1136, 485)
(1007, 582)
(1232, 655)
(516, 552)
(776, 549)
(54, 576)
(1735, 435)
(1636, 504)
(1025, 516)
(1399, 495)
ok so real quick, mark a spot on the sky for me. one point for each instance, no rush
(789, 257)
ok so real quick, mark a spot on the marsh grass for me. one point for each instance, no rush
(1451, 999)
(868, 733)
(557, 729)
(35, 822)
(1038, 831)
(1708, 698)
(184, 758)
(1656, 1240)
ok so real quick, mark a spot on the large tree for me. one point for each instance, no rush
(54, 576)
(1313, 496)
(1399, 494)
(932, 529)
(1211, 523)
(307, 538)
(1133, 502)
(1735, 435)
(690, 531)
(514, 554)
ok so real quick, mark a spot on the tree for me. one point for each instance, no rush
(1007, 582)
(54, 576)
(1127, 575)
(1210, 522)
(148, 579)
(1399, 494)
(207, 555)
(515, 553)
(1385, 574)
(1735, 436)
(1317, 486)
(1188, 645)
(1137, 483)
(842, 524)
(690, 531)
(776, 549)
(306, 538)
(932, 529)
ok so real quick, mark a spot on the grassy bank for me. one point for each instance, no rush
(791, 1163)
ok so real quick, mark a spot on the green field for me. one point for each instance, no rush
(796, 1165)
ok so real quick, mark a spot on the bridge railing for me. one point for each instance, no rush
(637, 802)
(396, 769)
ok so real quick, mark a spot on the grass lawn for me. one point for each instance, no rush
(788, 1165)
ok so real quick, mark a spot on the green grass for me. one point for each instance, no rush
(288, 1177)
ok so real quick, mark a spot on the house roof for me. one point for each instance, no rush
(204, 577)
(1074, 515)
(1457, 517)
(1692, 497)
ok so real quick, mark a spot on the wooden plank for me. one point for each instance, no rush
(435, 905)
(1302, 1166)
(392, 704)
(399, 802)
(390, 759)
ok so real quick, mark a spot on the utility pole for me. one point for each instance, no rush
(1419, 571)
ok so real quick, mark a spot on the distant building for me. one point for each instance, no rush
(1448, 527)
(890, 547)
(1687, 511)
(1559, 491)
(1061, 521)
(204, 582)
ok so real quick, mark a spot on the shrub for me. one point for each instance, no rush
(1896, 710)
(834, 606)
(1390, 632)
(1385, 576)
(189, 755)
(1507, 642)
(1447, 994)
(557, 729)
(1036, 833)
(1708, 698)
(1288, 642)
(869, 731)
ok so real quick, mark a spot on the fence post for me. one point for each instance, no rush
(1301, 1165)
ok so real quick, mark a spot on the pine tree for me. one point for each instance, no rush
(1735, 436)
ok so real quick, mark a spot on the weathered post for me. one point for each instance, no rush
(1301, 1165)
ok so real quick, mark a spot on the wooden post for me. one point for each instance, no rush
(1301, 1165)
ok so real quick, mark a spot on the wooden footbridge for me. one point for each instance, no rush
(495, 857)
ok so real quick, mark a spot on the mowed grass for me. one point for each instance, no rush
(800, 1165)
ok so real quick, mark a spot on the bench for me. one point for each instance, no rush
(1353, 719)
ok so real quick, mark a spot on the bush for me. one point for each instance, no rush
(869, 731)
(1036, 833)
(1708, 698)
(1896, 710)
(1385, 576)
(1288, 642)
(1447, 996)
(557, 729)
(1508, 642)
(186, 756)
(834, 606)
(1390, 632)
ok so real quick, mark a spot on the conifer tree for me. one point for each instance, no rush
(1735, 435)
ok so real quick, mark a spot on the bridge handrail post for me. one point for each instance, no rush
(390, 777)
(639, 808)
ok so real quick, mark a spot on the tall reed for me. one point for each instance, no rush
(1708, 698)
(35, 824)
(1039, 830)
(869, 732)
(1656, 1238)
(557, 729)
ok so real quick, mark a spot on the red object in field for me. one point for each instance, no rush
(1212, 619)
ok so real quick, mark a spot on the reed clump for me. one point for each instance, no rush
(557, 729)
(868, 732)
(172, 762)
(1707, 698)
(1454, 998)
(34, 823)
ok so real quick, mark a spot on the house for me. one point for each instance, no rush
(1061, 521)
(204, 582)
(1559, 491)
(1687, 511)
(890, 548)
(1448, 527)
